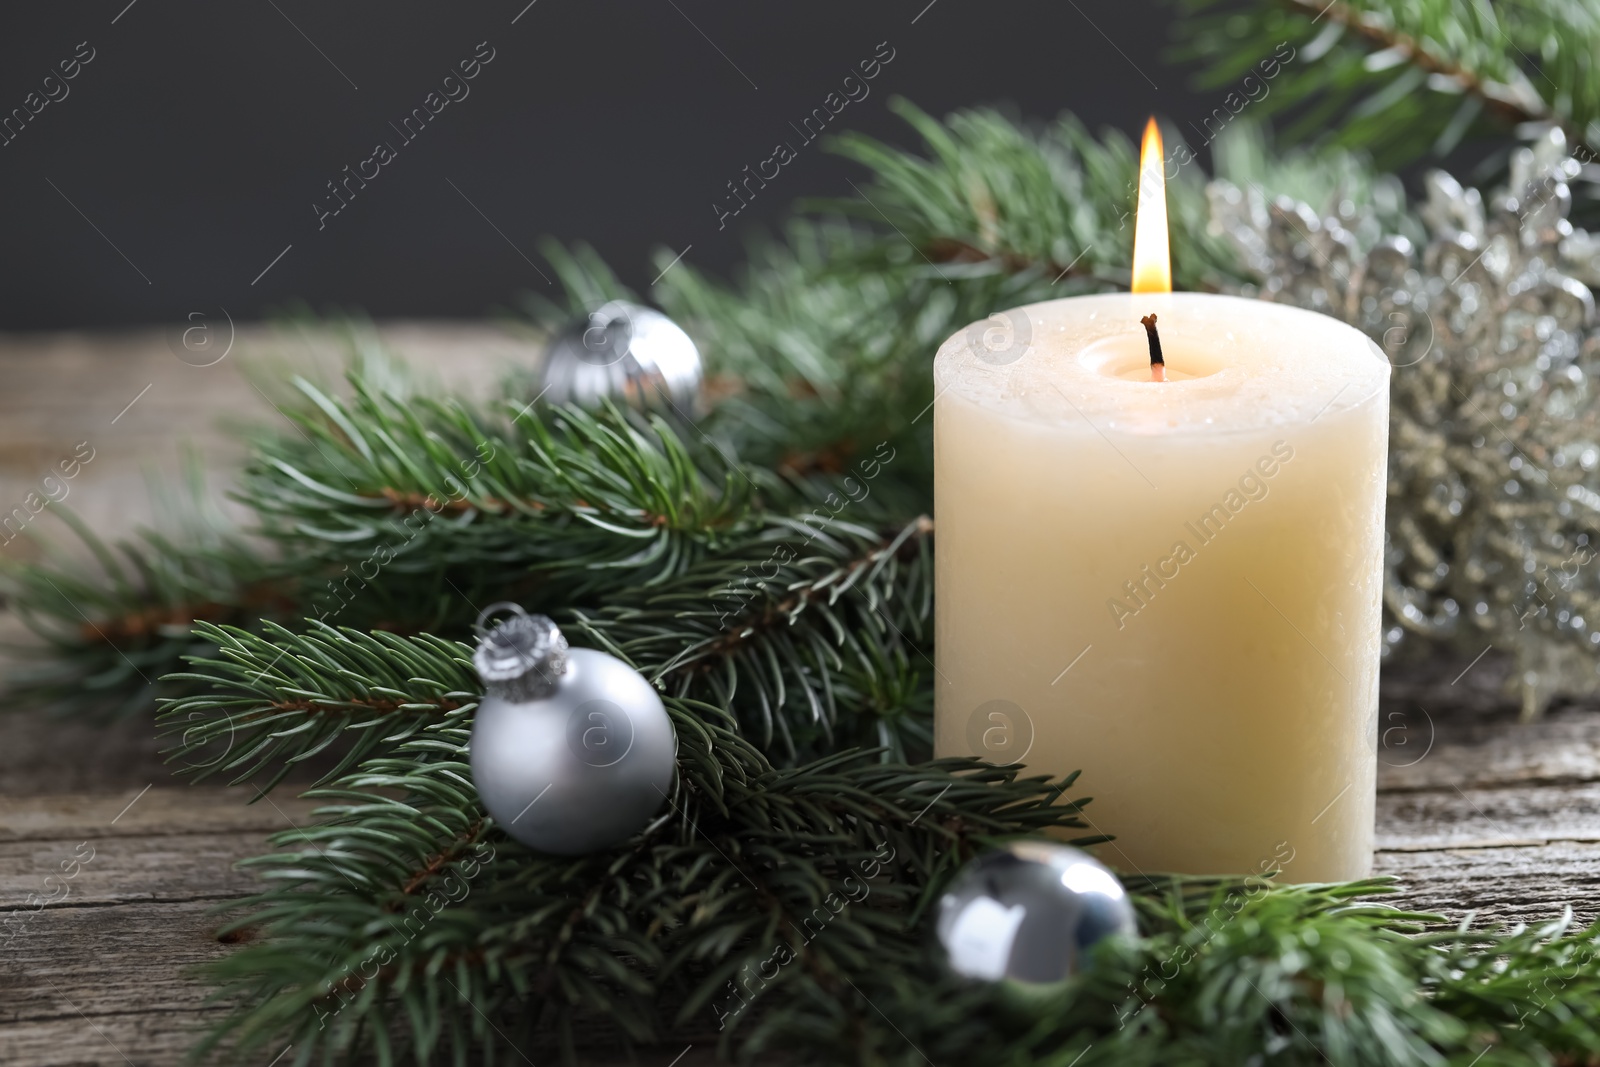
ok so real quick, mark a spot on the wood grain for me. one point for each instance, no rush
(107, 960)
(1497, 820)
(141, 408)
(1529, 884)
(1459, 818)
(170, 809)
(1478, 814)
(1563, 748)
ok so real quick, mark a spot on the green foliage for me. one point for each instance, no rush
(265, 702)
(1242, 972)
(768, 566)
(385, 506)
(1406, 78)
(813, 634)
(403, 909)
(111, 629)
(815, 368)
(787, 911)
(414, 484)
(816, 636)
(1055, 204)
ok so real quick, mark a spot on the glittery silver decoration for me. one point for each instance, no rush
(1494, 496)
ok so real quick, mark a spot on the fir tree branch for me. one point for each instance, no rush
(386, 913)
(787, 909)
(815, 636)
(1055, 204)
(395, 513)
(814, 367)
(1402, 79)
(111, 629)
(403, 483)
(804, 632)
(265, 702)
(1512, 100)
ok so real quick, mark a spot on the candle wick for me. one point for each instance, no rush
(1158, 365)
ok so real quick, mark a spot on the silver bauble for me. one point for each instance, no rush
(1028, 912)
(624, 352)
(571, 750)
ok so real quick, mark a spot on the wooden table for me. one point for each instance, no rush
(99, 977)
(1476, 813)
(1492, 817)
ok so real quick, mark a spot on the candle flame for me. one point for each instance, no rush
(1152, 262)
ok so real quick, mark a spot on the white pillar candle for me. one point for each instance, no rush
(1172, 586)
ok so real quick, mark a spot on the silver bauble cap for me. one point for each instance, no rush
(625, 352)
(522, 658)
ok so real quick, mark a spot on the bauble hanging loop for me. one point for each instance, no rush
(572, 750)
(522, 658)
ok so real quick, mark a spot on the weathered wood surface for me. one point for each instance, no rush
(1477, 813)
(1495, 817)
(99, 974)
(139, 408)
(1481, 814)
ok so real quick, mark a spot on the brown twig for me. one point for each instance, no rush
(385, 707)
(831, 460)
(437, 863)
(407, 501)
(137, 625)
(953, 250)
(784, 609)
(1510, 102)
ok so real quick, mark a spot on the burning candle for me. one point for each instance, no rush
(1160, 562)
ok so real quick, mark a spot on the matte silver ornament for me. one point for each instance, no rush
(1029, 911)
(571, 750)
(625, 352)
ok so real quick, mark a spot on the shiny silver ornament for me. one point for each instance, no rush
(1487, 316)
(571, 750)
(624, 352)
(1029, 911)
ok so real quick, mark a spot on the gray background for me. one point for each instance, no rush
(201, 134)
